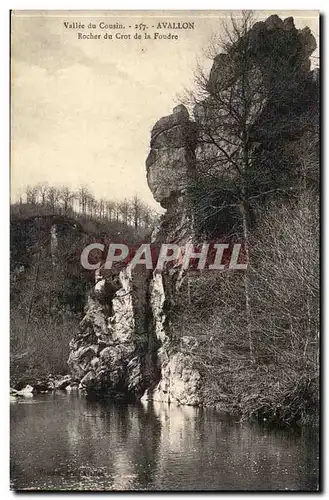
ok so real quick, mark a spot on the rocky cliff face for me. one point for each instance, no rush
(114, 354)
(125, 344)
(108, 355)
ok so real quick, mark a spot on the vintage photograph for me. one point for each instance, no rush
(164, 251)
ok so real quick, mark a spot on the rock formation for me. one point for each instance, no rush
(173, 141)
(106, 355)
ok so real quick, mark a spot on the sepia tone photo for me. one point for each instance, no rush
(164, 251)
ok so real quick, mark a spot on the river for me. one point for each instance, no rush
(63, 441)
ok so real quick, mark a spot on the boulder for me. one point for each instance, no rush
(27, 392)
(88, 380)
(180, 383)
(72, 387)
(63, 382)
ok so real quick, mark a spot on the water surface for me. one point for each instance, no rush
(63, 441)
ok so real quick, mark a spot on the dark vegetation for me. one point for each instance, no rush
(256, 181)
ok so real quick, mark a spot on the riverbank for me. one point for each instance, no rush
(240, 391)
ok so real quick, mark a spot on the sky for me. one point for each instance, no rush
(82, 110)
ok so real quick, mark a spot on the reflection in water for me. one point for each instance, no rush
(67, 442)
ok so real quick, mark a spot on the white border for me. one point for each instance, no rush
(322, 6)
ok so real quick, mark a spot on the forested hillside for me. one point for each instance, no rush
(49, 287)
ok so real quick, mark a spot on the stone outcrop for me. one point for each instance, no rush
(171, 159)
(277, 47)
(180, 382)
(105, 354)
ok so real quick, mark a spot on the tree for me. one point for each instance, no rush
(42, 192)
(66, 197)
(101, 207)
(124, 210)
(109, 209)
(53, 197)
(83, 195)
(285, 279)
(227, 106)
(136, 210)
(91, 205)
(31, 194)
(241, 157)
